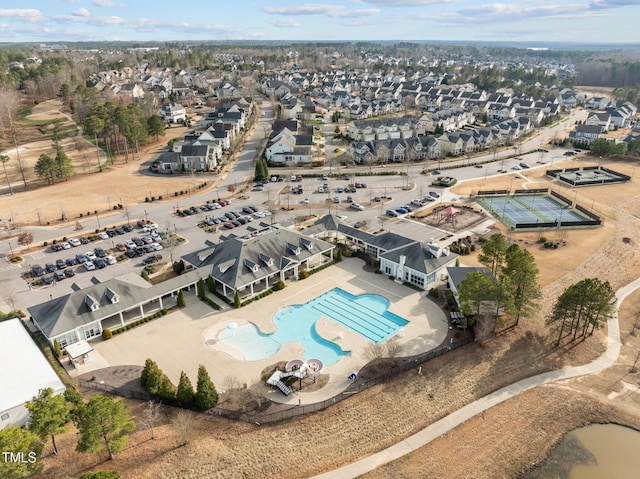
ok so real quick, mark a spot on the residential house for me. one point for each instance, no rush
(585, 133)
(173, 113)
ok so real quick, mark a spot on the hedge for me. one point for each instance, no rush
(157, 314)
(211, 303)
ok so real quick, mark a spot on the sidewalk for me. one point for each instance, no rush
(458, 417)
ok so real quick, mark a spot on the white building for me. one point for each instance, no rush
(24, 371)
(173, 113)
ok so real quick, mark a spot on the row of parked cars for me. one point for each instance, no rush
(206, 207)
(233, 219)
(404, 209)
(75, 242)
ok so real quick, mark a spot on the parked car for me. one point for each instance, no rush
(103, 236)
(50, 267)
(37, 270)
(60, 264)
(516, 167)
(320, 189)
(340, 189)
(434, 194)
(408, 208)
(153, 258)
(229, 225)
(401, 211)
(127, 228)
(59, 275)
(377, 199)
(120, 247)
(120, 230)
(524, 166)
(69, 273)
(336, 199)
(349, 199)
(89, 266)
(257, 188)
(56, 247)
(357, 206)
(392, 214)
(84, 240)
(47, 280)
(100, 263)
(110, 259)
(100, 252)
(90, 255)
(65, 245)
(71, 262)
(429, 198)
(80, 258)
(74, 242)
(305, 201)
(417, 202)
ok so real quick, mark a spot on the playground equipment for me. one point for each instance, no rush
(296, 368)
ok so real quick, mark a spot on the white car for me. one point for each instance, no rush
(110, 259)
(156, 246)
(90, 255)
(429, 198)
(103, 236)
(357, 206)
(130, 244)
(89, 266)
(305, 201)
(65, 245)
(417, 202)
(259, 214)
(516, 167)
(156, 237)
(74, 242)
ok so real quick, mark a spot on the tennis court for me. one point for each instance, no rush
(531, 209)
(591, 177)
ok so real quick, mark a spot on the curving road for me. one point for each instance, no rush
(446, 424)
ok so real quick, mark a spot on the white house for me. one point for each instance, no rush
(173, 113)
(24, 371)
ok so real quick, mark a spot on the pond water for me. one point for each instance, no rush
(594, 452)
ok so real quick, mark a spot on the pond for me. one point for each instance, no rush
(594, 452)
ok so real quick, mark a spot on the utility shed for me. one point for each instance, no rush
(23, 372)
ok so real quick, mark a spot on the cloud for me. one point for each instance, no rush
(81, 12)
(285, 23)
(332, 11)
(402, 3)
(29, 15)
(104, 3)
(89, 20)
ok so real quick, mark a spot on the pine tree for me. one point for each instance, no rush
(185, 395)
(104, 419)
(151, 376)
(56, 348)
(206, 394)
(49, 415)
(166, 390)
(236, 300)
(211, 285)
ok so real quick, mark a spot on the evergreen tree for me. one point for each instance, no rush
(104, 419)
(236, 300)
(45, 168)
(151, 376)
(201, 293)
(211, 285)
(166, 390)
(494, 251)
(520, 267)
(63, 165)
(181, 301)
(57, 352)
(49, 415)
(206, 394)
(17, 440)
(185, 395)
(156, 126)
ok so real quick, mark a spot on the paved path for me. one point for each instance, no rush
(458, 417)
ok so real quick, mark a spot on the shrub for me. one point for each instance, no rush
(57, 351)
(185, 395)
(303, 274)
(279, 285)
(236, 300)
(548, 244)
(206, 394)
(433, 292)
(338, 255)
(200, 287)
(106, 334)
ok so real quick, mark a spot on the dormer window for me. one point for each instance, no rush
(294, 249)
(254, 267)
(91, 302)
(112, 296)
(265, 259)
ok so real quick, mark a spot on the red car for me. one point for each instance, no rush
(229, 225)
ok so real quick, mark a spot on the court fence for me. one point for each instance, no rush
(399, 366)
(562, 198)
(533, 191)
(492, 192)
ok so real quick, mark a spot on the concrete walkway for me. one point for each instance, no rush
(458, 417)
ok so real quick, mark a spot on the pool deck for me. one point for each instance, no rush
(184, 339)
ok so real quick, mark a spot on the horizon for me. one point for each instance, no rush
(595, 22)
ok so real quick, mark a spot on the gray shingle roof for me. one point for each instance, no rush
(419, 257)
(458, 274)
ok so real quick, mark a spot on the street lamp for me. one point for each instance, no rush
(146, 218)
(98, 219)
(11, 248)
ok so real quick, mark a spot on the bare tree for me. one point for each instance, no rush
(182, 422)
(232, 382)
(373, 351)
(4, 159)
(151, 416)
(25, 239)
(79, 226)
(393, 347)
(259, 392)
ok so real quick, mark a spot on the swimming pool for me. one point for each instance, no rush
(365, 314)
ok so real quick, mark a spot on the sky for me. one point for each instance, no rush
(578, 21)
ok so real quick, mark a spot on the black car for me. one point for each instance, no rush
(100, 253)
(50, 267)
(247, 210)
(60, 264)
(149, 249)
(127, 228)
(137, 241)
(80, 258)
(84, 240)
(130, 253)
(100, 263)
(59, 275)
(111, 233)
(47, 280)
(56, 247)
(236, 223)
(230, 215)
(120, 230)
(153, 258)
(71, 262)
(37, 270)
(242, 220)
(69, 273)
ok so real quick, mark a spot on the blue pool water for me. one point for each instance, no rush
(365, 314)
